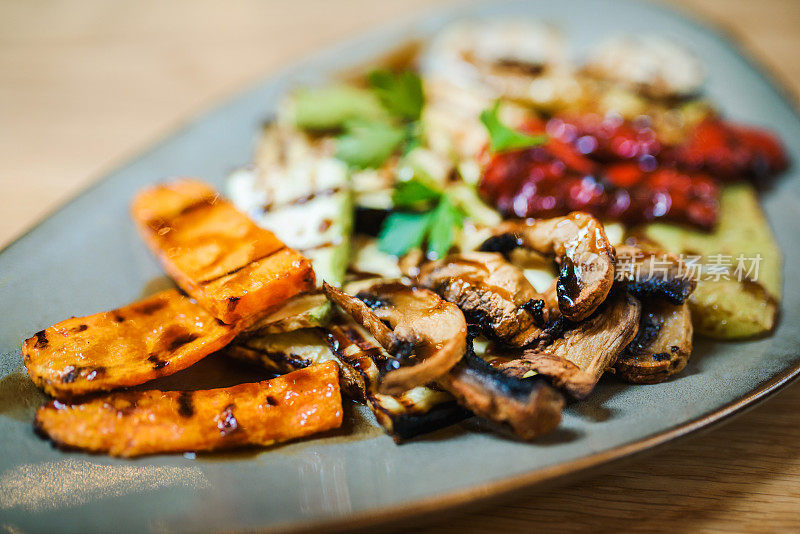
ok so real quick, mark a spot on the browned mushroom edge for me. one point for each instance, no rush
(662, 346)
(594, 343)
(560, 372)
(530, 407)
(491, 292)
(425, 334)
(653, 274)
(403, 416)
(583, 252)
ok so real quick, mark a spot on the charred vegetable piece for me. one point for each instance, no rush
(530, 406)
(233, 268)
(595, 343)
(154, 337)
(491, 292)
(288, 351)
(662, 345)
(731, 305)
(560, 372)
(416, 411)
(653, 66)
(648, 274)
(582, 249)
(285, 352)
(426, 335)
(136, 423)
(301, 192)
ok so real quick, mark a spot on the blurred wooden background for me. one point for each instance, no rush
(84, 85)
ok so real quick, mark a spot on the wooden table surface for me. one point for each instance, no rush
(86, 84)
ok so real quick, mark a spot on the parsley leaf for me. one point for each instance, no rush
(503, 138)
(411, 193)
(441, 234)
(401, 94)
(368, 144)
(403, 231)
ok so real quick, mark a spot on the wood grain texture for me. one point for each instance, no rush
(86, 84)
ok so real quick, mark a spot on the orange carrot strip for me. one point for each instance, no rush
(234, 268)
(135, 423)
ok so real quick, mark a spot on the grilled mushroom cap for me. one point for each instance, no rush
(583, 252)
(416, 411)
(491, 292)
(426, 335)
(531, 407)
(662, 346)
(560, 372)
(595, 343)
(663, 343)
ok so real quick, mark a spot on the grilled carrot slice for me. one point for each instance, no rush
(154, 337)
(234, 268)
(135, 423)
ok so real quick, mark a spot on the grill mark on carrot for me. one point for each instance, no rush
(149, 308)
(159, 224)
(70, 374)
(234, 271)
(182, 340)
(232, 302)
(185, 404)
(157, 362)
(41, 339)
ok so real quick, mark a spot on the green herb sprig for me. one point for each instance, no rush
(435, 225)
(401, 94)
(372, 123)
(502, 138)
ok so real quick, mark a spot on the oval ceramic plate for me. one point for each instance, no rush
(86, 258)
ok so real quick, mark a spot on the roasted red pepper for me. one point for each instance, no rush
(724, 150)
(620, 170)
(729, 152)
(539, 183)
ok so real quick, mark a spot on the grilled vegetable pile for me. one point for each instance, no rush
(487, 231)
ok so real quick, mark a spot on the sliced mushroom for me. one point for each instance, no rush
(426, 335)
(583, 252)
(531, 407)
(595, 343)
(562, 373)
(414, 412)
(648, 273)
(491, 292)
(662, 346)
